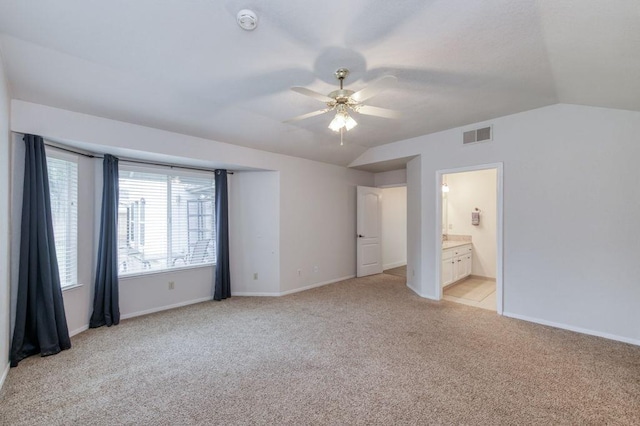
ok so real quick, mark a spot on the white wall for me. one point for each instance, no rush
(318, 224)
(311, 203)
(5, 197)
(17, 175)
(143, 294)
(469, 190)
(390, 178)
(571, 203)
(394, 227)
(254, 223)
(414, 225)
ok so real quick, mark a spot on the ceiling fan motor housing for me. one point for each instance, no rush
(341, 96)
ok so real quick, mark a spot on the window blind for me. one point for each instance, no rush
(63, 192)
(165, 220)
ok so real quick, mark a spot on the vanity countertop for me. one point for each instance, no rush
(452, 244)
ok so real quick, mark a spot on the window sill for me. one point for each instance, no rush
(71, 287)
(164, 271)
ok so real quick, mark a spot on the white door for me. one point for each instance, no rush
(369, 229)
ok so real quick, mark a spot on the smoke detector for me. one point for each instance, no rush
(247, 19)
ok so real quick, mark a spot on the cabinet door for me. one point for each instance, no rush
(465, 265)
(446, 271)
(458, 268)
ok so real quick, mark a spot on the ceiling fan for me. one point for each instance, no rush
(345, 100)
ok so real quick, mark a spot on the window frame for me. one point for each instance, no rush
(170, 172)
(52, 152)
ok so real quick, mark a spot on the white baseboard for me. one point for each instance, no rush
(4, 374)
(295, 290)
(424, 296)
(164, 308)
(480, 277)
(394, 265)
(78, 330)
(309, 287)
(413, 289)
(253, 294)
(240, 293)
(573, 328)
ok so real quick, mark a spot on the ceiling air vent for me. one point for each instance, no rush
(483, 134)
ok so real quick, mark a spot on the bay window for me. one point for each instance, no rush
(165, 219)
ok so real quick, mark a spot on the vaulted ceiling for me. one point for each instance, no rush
(186, 66)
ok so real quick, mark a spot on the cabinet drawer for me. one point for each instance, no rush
(462, 250)
(447, 254)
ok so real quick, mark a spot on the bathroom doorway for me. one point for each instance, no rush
(470, 229)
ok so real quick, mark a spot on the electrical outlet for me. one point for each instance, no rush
(172, 285)
(451, 226)
(255, 275)
(299, 272)
(315, 268)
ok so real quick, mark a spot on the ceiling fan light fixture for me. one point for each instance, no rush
(337, 123)
(343, 101)
(342, 120)
(445, 187)
(350, 123)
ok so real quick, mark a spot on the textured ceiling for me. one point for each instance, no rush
(185, 65)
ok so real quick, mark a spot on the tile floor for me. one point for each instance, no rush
(477, 292)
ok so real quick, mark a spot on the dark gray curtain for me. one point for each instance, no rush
(222, 288)
(106, 308)
(41, 325)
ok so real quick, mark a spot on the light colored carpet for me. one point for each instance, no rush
(472, 289)
(363, 351)
(400, 271)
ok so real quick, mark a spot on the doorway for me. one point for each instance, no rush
(469, 230)
(382, 230)
(394, 230)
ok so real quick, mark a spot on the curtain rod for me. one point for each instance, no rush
(128, 160)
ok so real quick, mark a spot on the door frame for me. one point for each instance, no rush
(499, 227)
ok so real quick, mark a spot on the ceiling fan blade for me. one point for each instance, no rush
(374, 88)
(307, 115)
(311, 93)
(378, 112)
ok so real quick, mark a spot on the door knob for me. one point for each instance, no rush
(360, 236)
